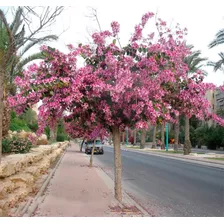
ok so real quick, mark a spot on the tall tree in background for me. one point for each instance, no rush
(154, 137)
(162, 136)
(194, 62)
(25, 38)
(16, 40)
(7, 50)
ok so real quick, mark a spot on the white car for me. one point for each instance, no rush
(98, 147)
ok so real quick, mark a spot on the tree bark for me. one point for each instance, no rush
(2, 73)
(6, 118)
(162, 136)
(117, 164)
(143, 136)
(82, 144)
(177, 132)
(187, 141)
(92, 152)
(53, 133)
(135, 135)
(123, 138)
(110, 139)
(154, 138)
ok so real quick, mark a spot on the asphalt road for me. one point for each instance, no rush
(167, 187)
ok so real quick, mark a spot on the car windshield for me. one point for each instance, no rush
(97, 142)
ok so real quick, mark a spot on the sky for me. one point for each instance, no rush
(203, 19)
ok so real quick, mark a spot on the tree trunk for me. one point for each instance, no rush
(177, 132)
(82, 144)
(1, 107)
(117, 164)
(92, 152)
(123, 138)
(162, 136)
(143, 136)
(135, 133)
(6, 119)
(154, 138)
(53, 133)
(110, 139)
(187, 141)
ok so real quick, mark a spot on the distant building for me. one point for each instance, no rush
(219, 96)
(210, 96)
(216, 99)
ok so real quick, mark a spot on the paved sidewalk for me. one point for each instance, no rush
(79, 191)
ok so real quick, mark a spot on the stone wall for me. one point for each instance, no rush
(19, 172)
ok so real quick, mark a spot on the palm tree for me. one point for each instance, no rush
(162, 135)
(154, 137)
(13, 40)
(7, 50)
(177, 132)
(142, 141)
(219, 39)
(15, 65)
(194, 63)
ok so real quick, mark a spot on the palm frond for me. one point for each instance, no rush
(17, 21)
(219, 65)
(30, 58)
(194, 61)
(38, 41)
(219, 39)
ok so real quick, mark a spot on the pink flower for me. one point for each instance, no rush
(115, 28)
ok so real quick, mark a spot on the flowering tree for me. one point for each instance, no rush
(117, 87)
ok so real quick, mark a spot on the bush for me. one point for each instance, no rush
(61, 137)
(18, 124)
(6, 145)
(33, 127)
(47, 132)
(18, 145)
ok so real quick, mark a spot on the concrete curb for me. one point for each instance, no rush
(192, 160)
(127, 200)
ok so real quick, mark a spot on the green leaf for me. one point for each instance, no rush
(114, 41)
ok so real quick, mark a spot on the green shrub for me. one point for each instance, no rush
(47, 132)
(61, 137)
(6, 145)
(18, 145)
(33, 127)
(18, 124)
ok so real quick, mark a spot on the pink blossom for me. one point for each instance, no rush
(115, 28)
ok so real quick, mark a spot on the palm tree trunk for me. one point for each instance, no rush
(53, 133)
(82, 144)
(6, 119)
(110, 139)
(2, 73)
(143, 136)
(154, 138)
(92, 152)
(176, 138)
(123, 138)
(135, 135)
(162, 136)
(117, 164)
(187, 141)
